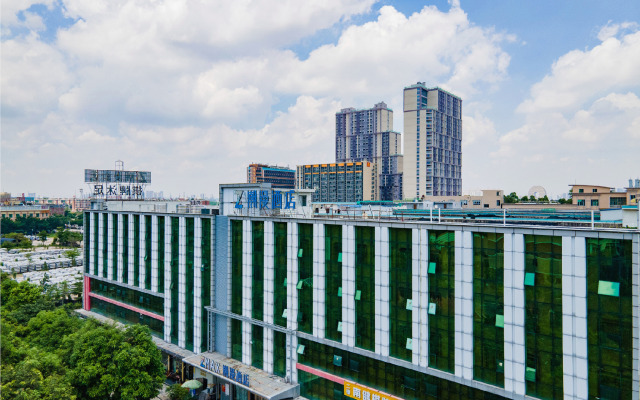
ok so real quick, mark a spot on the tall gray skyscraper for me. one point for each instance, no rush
(432, 142)
(367, 135)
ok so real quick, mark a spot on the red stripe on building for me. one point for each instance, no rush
(127, 306)
(321, 374)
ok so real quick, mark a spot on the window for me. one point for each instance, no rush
(581, 202)
(594, 190)
(476, 202)
(618, 201)
(498, 202)
(594, 203)
(580, 190)
(486, 206)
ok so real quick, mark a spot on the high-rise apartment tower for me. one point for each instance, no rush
(367, 135)
(432, 142)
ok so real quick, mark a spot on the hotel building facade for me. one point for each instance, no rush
(374, 309)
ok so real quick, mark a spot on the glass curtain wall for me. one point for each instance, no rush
(189, 284)
(236, 288)
(609, 313)
(114, 247)
(279, 353)
(175, 273)
(136, 250)
(87, 235)
(365, 287)
(305, 277)
(125, 248)
(205, 285)
(160, 265)
(280, 274)
(96, 235)
(543, 318)
(441, 314)
(105, 244)
(333, 281)
(257, 289)
(400, 276)
(147, 252)
(488, 308)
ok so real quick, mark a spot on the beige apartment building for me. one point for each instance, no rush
(339, 182)
(490, 198)
(594, 197)
(13, 212)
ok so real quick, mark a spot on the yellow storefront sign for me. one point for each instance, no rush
(359, 392)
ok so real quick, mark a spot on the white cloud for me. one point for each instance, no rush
(580, 76)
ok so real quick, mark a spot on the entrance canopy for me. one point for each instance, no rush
(245, 376)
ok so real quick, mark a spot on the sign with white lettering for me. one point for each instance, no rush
(359, 392)
(265, 199)
(225, 371)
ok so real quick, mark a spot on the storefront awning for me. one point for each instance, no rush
(247, 377)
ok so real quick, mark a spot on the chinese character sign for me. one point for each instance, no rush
(265, 199)
(354, 391)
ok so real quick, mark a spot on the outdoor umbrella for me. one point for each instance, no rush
(192, 384)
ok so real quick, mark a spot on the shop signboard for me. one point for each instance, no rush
(354, 391)
(225, 371)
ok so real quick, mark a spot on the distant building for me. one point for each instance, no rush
(594, 197)
(13, 212)
(278, 177)
(491, 198)
(338, 182)
(432, 142)
(367, 135)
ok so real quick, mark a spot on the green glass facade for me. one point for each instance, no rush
(389, 378)
(280, 273)
(189, 265)
(236, 266)
(257, 353)
(175, 273)
(205, 274)
(147, 252)
(125, 248)
(136, 250)
(543, 316)
(315, 387)
(87, 249)
(141, 300)
(160, 265)
(365, 287)
(488, 308)
(257, 273)
(105, 244)
(441, 281)
(236, 339)
(279, 353)
(305, 277)
(400, 277)
(333, 281)
(127, 316)
(114, 247)
(96, 235)
(609, 313)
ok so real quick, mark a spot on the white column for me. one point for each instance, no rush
(154, 253)
(246, 289)
(348, 286)
(101, 239)
(182, 251)
(635, 310)
(167, 277)
(318, 281)
(292, 276)
(382, 291)
(197, 284)
(515, 357)
(131, 253)
(269, 273)
(121, 245)
(110, 246)
(143, 250)
(574, 317)
(464, 305)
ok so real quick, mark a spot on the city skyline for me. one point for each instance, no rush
(550, 92)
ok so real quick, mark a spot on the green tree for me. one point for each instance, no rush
(66, 238)
(48, 329)
(109, 363)
(532, 198)
(511, 198)
(42, 236)
(72, 254)
(20, 241)
(177, 392)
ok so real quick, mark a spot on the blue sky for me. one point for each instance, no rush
(195, 91)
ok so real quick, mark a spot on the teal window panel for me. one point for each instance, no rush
(299, 285)
(409, 304)
(285, 282)
(609, 288)
(337, 361)
(432, 268)
(530, 374)
(409, 345)
(339, 257)
(284, 313)
(358, 294)
(300, 252)
(500, 321)
(500, 366)
(340, 291)
(300, 349)
(432, 308)
(530, 279)
(340, 326)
